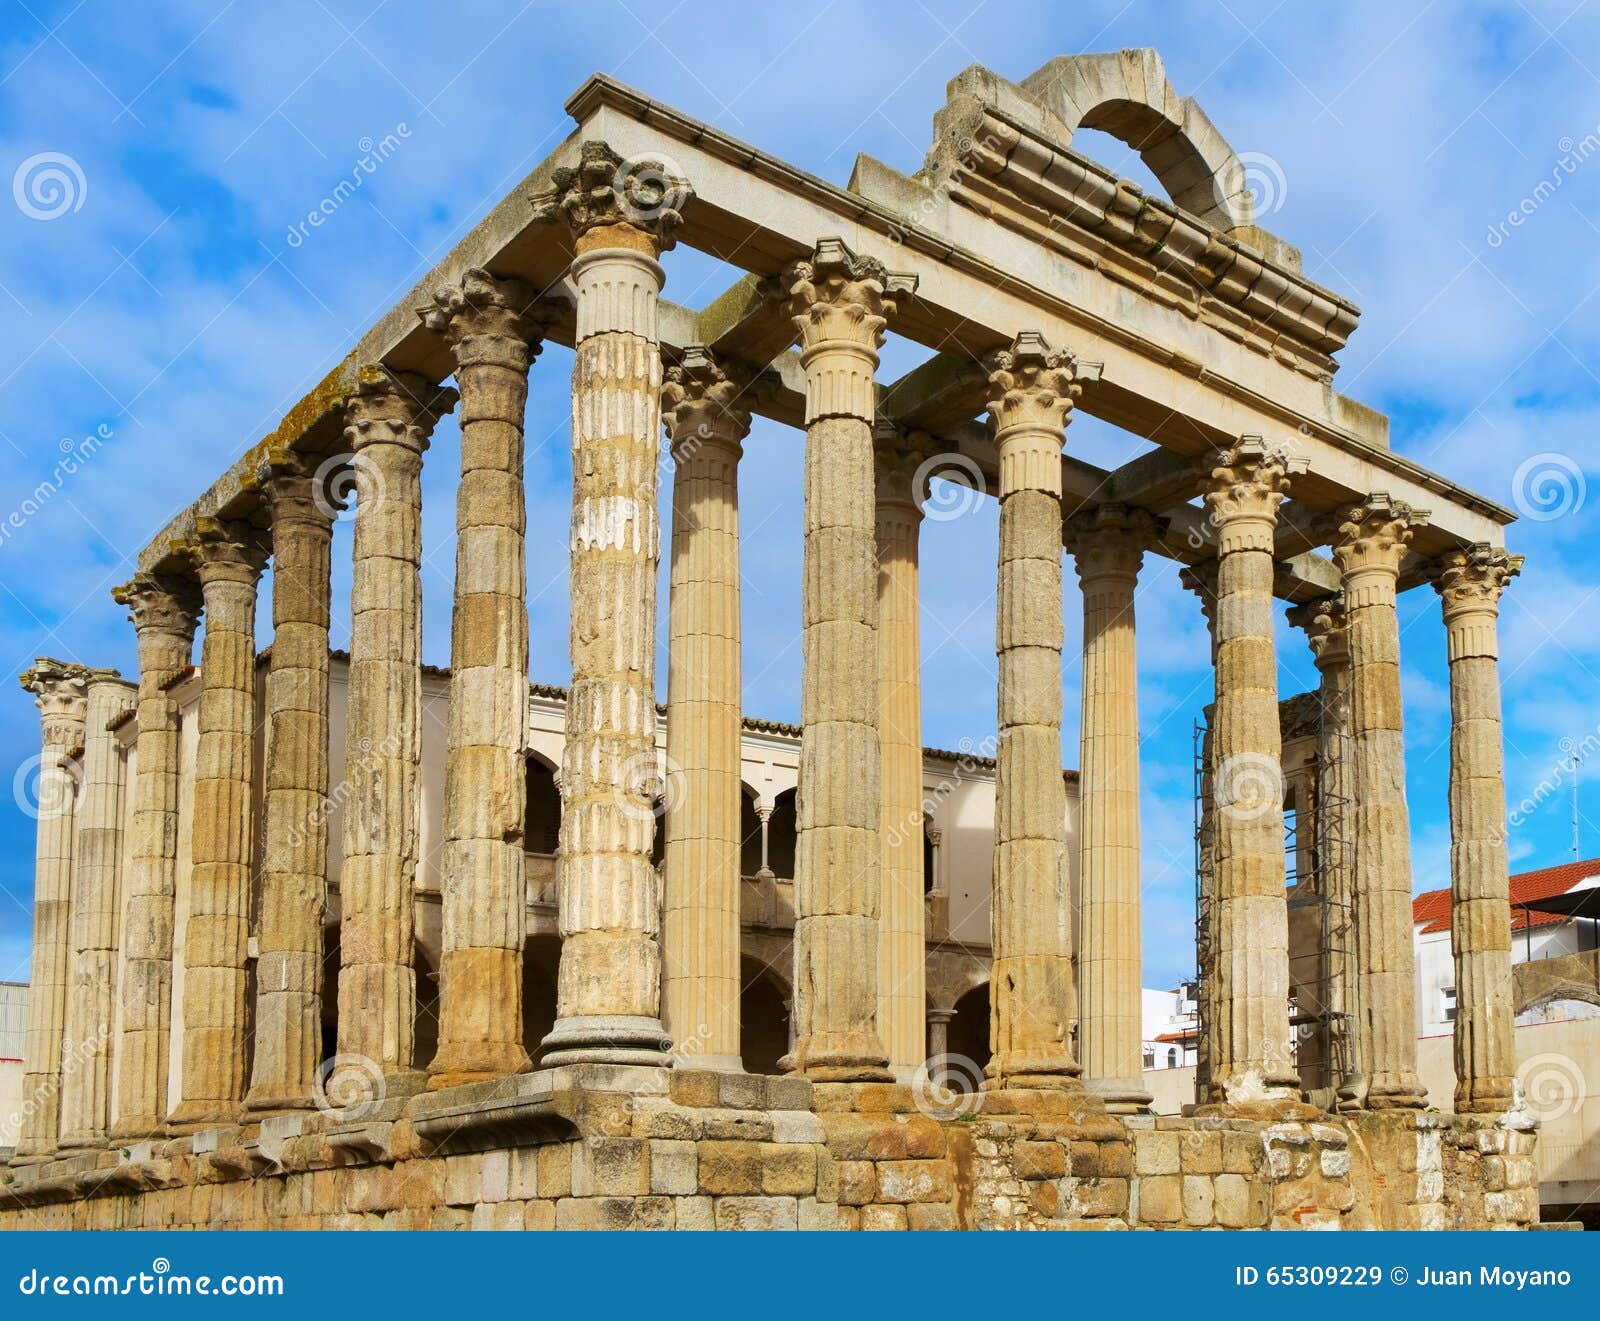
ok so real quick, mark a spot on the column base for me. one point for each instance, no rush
(458, 1063)
(1123, 1096)
(1397, 1091)
(1485, 1096)
(839, 1057)
(711, 1063)
(32, 1153)
(275, 1100)
(138, 1128)
(1050, 1068)
(193, 1116)
(74, 1143)
(608, 1039)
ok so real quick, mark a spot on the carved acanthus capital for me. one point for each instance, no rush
(1469, 582)
(1201, 579)
(227, 550)
(394, 408)
(1110, 541)
(1326, 626)
(60, 691)
(161, 603)
(488, 320)
(839, 300)
(705, 401)
(1371, 542)
(292, 483)
(903, 461)
(1032, 385)
(609, 201)
(1242, 492)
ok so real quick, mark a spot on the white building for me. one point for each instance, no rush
(13, 1014)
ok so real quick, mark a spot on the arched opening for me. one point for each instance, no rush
(780, 835)
(968, 1034)
(749, 833)
(1559, 1006)
(542, 833)
(541, 958)
(927, 861)
(763, 1018)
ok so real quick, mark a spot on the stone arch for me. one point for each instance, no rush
(764, 1011)
(542, 831)
(1126, 94)
(1548, 994)
(749, 831)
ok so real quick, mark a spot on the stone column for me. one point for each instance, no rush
(495, 332)
(1323, 622)
(165, 608)
(840, 304)
(1108, 546)
(60, 692)
(1201, 579)
(294, 870)
(211, 1088)
(764, 815)
(707, 415)
(1033, 993)
(96, 895)
(1371, 543)
(1469, 582)
(938, 1033)
(388, 420)
(902, 992)
(608, 999)
(1252, 1064)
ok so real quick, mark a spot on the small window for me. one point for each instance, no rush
(1172, 1057)
(1447, 999)
(1149, 1057)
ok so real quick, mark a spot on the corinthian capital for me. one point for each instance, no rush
(161, 603)
(903, 460)
(610, 201)
(395, 408)
(1110, 541)
(490, 320)
(1243, 490)
(228, 550)
(1032, 385)
(838, 298)
(1373, 536)
(705, 401)
(60, 691)
(1471, 579)
(1326, 626)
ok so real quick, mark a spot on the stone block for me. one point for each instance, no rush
(789, 1169)
(930, 1216)
(1096, 1198)
(1160, 1198)
(619, 1167)
(742, 1091)
(463, 1184)
(496, 1185)
(694, 1087)
(1240, 1203)
(914, 1181)
(730, 1168)
(1041, 1160)
(696, 1213)
(757, 1213)
(1335, 1163)
(737, 1126)
(858, 1182)
(815, 1215)
(1155, 1153)
(792, 1126)
(674, 1168)
(881, 1218)
(1201, 1152)
(522, 1179)
(1240, 1152)
(539, 1216)
(1044, 1197)
(1198, 1200)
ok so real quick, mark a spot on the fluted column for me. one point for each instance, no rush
(60, 692)
(1108, 547)
(96, 895)
(706, 410)
(1201, 579)
(1253, 1064)
(288, 1009)
(1470, 582)
(840, 304)
(230, 558)
(388, 420)
(608, 999)
(492, 328)
(1033, 997)
(903, 961)
(1327, 1048)
(165, 608)
(1371, 543)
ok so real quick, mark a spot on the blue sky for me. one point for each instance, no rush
(168, 305)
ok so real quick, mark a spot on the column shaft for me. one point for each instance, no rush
(1253, 1063)
(1033, 996)
(288, 1011)
(387, 423)
(706, 419)
(1470, 582)
(96, 903)
(60, 694)
(215, 938)
(1109, 547)
(902, 991)
(486, 321)
(165, 610)
(1371, 544)
(840, 305)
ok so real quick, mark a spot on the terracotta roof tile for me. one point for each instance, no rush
(1430, 910)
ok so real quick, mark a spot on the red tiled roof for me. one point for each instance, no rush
(1431, 909)
(1187, 1035)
